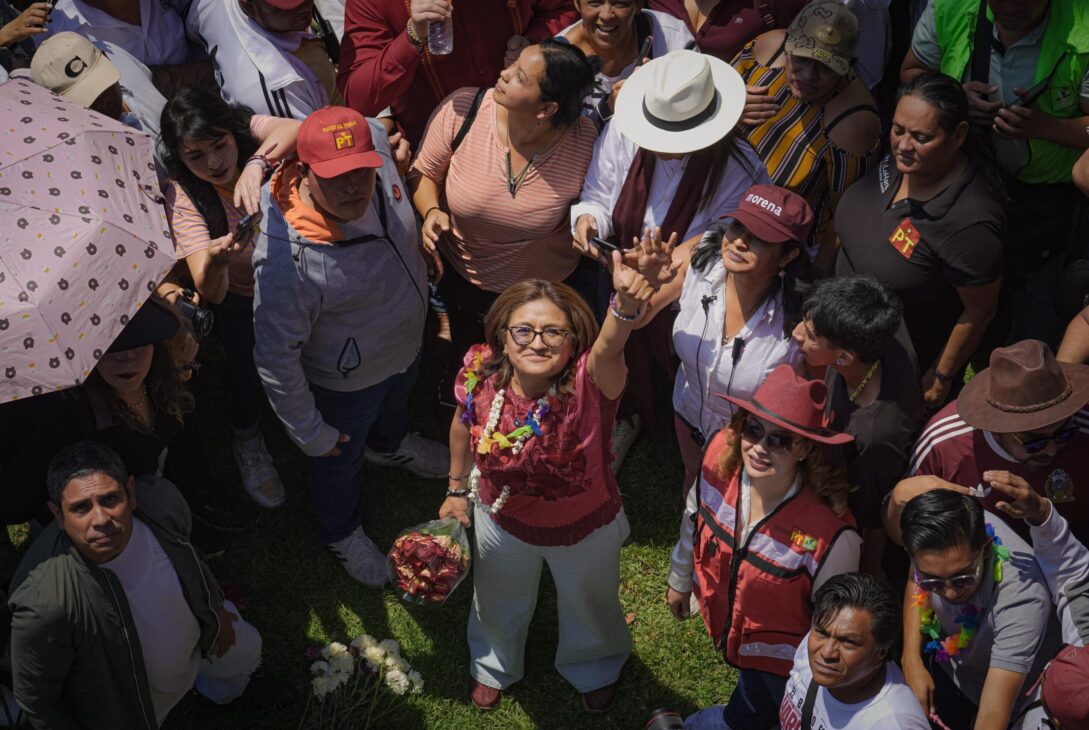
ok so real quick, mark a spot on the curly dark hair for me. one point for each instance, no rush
(199, 112)
(165, 388)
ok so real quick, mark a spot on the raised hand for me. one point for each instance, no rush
(1022, 502)
(633, 290)
(652, 258)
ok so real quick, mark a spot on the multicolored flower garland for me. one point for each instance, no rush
(968, 620)
(488, 435)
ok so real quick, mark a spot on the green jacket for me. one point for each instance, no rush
(1067, 32)
(76, 657)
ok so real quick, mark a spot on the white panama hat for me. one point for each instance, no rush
(680, 102)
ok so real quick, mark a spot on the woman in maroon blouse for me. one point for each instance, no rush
(529, 448)
(723, 27)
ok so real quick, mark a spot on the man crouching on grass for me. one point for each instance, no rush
(115, 615)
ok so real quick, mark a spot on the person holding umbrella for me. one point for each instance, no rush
(135, 402)
(765, 526)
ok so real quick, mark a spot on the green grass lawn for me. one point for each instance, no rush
(298, 596)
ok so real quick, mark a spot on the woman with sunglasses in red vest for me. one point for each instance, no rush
(765, 525)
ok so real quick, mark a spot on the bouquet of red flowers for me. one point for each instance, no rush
(428, 561)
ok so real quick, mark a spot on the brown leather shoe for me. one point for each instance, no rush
(600, 700)
(484, 697)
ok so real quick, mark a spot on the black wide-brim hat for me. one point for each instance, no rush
(152, 323)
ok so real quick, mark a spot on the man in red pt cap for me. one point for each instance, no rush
(340, 299)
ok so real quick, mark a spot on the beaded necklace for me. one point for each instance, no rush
(968, 620)
(488, 435)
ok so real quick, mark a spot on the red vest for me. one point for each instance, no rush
(756, 600)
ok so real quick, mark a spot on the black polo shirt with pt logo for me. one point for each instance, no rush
(925, 249)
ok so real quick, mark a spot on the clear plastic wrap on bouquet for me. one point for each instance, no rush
(428, 561)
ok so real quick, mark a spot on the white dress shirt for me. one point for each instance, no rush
(158, 40)
(708, 367)
(613, 155)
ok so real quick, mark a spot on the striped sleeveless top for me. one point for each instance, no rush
(794, 144)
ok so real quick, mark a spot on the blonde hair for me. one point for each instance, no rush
(822, 471)
(584, 327)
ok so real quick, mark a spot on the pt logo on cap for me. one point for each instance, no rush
(75, 67)
(344, 140)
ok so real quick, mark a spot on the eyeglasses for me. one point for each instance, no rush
(1035, 445)
(957, 582)
(753, 430)
(551, 336)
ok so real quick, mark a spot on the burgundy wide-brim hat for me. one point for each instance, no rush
(792, 402)
(1024, 389)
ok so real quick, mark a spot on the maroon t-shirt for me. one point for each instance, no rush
(951, 449)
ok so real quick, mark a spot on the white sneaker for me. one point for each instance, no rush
(423, 457)
(624, 434)
(361, 558)
(259, 477)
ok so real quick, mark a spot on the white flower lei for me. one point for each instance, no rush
(474, 493)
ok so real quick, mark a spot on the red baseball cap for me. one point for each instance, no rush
(335, 140)
(774, 214)
(1063, 690)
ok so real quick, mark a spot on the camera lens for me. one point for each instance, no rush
(664, 719)
(203, 321)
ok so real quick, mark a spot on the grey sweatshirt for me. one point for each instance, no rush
(343, 316)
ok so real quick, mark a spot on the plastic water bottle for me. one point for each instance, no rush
(440, 37)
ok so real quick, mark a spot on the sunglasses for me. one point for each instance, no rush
(551, 336)
(1039, 443)
(958, 583)
(753, 430)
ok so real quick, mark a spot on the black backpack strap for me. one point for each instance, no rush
(981, 46)
(807, 706)
(848, 112)
(469, 117)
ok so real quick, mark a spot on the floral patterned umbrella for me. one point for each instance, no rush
(83, 237)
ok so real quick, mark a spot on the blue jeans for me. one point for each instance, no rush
(234, 325)
(374, 418)
(755, 702)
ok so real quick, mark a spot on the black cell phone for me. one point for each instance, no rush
(245, 226)
(602, 244)
(1031, 95)
(643, 51)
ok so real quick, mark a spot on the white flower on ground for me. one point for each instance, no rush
(361, 642)
(391, 647)
(320, 667)
(417, 681)
(334, 649)
(397, 681)
(375, 657)
(322, 685)
(397, 662)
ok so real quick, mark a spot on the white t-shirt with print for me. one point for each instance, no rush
(894, 707)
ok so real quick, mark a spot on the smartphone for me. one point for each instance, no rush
(603, 245)
(1031, 95)
(245, 226)
(643, 51)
